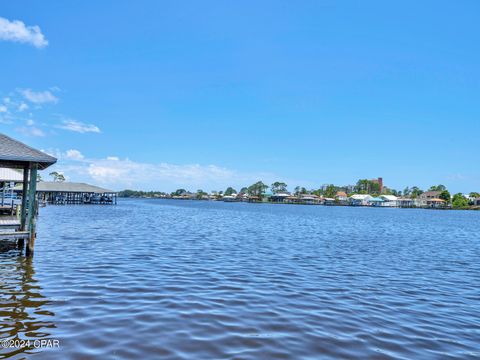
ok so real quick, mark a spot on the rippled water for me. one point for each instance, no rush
(151, 279)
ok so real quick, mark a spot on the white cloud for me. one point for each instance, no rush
(30, 131)
(117, 173)
(3, 109)
(39, 97)
(74, 154)
(22, 107)
(17, 31)
(77, 126)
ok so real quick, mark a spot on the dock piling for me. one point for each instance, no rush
(32, 209)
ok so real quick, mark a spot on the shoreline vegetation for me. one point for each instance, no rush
(364, 193)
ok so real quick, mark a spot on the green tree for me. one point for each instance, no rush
(362, 186)
(415, 192)
(365, 186)
(54, 175)
(407, 191)
(278, 187)
(459, 201)
(230, 191)
(257, 189)
(57, 176)
(200, 193)
(330, 191)
(244, 190)
(475, 195)
(437, 188)
(179, 192)
(374, 188)
(299, 190)
(445, 195)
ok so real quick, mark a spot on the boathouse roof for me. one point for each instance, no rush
(64, 186)
(70, 187)
(7, 174)
(389, 197)
(15, 154)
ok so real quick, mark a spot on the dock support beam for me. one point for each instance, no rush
(32, 209)
(23, 208)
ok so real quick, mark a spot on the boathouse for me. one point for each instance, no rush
(63, 192)
(8, 179)
(17, 155)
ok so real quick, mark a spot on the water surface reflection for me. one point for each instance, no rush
(24, 313)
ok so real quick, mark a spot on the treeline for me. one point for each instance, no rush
(138, 194)
(363, 186)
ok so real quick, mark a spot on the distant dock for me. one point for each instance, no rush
(72, 193)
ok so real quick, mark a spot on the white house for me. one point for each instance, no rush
(230, 198)
(389, 200)
(360, 199)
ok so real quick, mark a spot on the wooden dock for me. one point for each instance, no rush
(16, 155)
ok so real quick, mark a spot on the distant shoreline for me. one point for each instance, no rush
(473, 207)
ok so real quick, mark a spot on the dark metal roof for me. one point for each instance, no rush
(14, 154)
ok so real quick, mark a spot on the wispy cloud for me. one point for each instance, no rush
(23, 104)
(22, 107)
(30, 131)
(77, 126)
(120, 173)
(39, 97)
(17, 31)
(74, 155)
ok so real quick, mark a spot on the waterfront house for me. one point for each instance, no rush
(293, 200)
(430, 199)
(389, 200)
(242, 197)
(254, 199)
(341, 197)
(310, 199)
(427, 199)
(230, 198)
(405, 202)
(279, 197)
(328, 201)
(359, 199)
(436, 203)
(375, 201)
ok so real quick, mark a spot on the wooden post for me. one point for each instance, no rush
(32, 208)
(23, 206)
(23, 213)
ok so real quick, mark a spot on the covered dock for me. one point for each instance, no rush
(19, 156)
(62, 193)
(8, 199)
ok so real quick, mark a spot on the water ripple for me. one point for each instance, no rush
(202, 280)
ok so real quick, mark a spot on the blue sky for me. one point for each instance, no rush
(161, 95)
